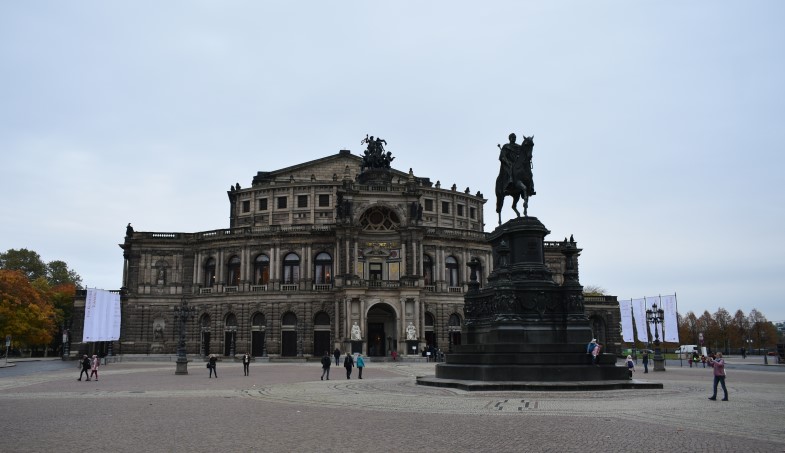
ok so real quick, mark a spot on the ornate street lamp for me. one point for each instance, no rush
(232, 343)
(182, 314)
(654, 317)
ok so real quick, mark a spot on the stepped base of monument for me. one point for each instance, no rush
(555, 386)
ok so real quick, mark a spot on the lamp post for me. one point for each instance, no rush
(655, 316)
(181, 315)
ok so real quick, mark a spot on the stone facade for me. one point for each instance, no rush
(311, 250)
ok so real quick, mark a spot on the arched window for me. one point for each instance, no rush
(379, 218)
(323, 269)
(291, 269)
(233, 271)
(231, 321)
(258, 320)
(322, 319)
(427, 269)
(261, 270)
(289, 319)
(452, 270)
(455, 321)
(209, 272)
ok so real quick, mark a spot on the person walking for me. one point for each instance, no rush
(337, 355)
(94, 364)
(348, 363)
(719, 376)
(326, 362)
(360, 366)
(211, 365)
(246, 363)
(630, 365)
(645, 362)
(85, 366)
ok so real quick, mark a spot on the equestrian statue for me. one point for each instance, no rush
(515, 174)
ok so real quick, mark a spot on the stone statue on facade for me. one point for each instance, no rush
(411, 332)
(129, 231)
(374, 155)
(515, 174)
(356, 334)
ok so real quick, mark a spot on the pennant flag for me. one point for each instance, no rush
(671, 318)
(101, 316)
(626, 320)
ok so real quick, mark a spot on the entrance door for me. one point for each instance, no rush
(376, 340)
(288, 343)
(227, 343)
(321, 342)
(257, 343)
(206, 343)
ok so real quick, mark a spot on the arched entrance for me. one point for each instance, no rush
(289, 335)
(258, 328)
(430, 336)
(230, 334)
(321, 334)
(381, 330)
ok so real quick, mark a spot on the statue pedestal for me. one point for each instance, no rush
(411, 347)
(157, 348)
(182, 366)
(357, 346)
(523, 328)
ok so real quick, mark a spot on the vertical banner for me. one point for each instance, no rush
(650, 301)
(626, 320)
(639, 311)
(101, 316)
(671, 318)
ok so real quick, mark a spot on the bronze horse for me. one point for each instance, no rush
(516, 186)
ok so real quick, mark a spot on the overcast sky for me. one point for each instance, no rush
(655, 123)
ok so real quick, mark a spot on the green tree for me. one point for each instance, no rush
(26, 261)
(58, 273)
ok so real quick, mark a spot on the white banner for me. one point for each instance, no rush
(626, 320)
(671, 319)
(101, 316)
(639, 311)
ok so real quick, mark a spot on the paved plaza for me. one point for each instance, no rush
(284, 407)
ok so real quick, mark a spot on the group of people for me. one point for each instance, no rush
(89, 367)
(348, 362)
(213, 360)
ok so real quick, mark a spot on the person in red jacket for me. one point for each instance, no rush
(719, 376)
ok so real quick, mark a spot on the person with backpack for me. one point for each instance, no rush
(348, 363)
(85, 365)
(360, 366)
(326, 362)
(595, 354)
(94, 367)
(630, 365)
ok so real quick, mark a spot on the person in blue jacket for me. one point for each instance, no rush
(360, 365)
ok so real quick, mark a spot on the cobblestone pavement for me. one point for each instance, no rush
(285, 407)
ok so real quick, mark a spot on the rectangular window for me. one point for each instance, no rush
(460, 210)
(302, 201)
(324, 201)
(473, 213)
(429, 205)
(246, 205)
(445, 207)
(263, 204)
(281, 202)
